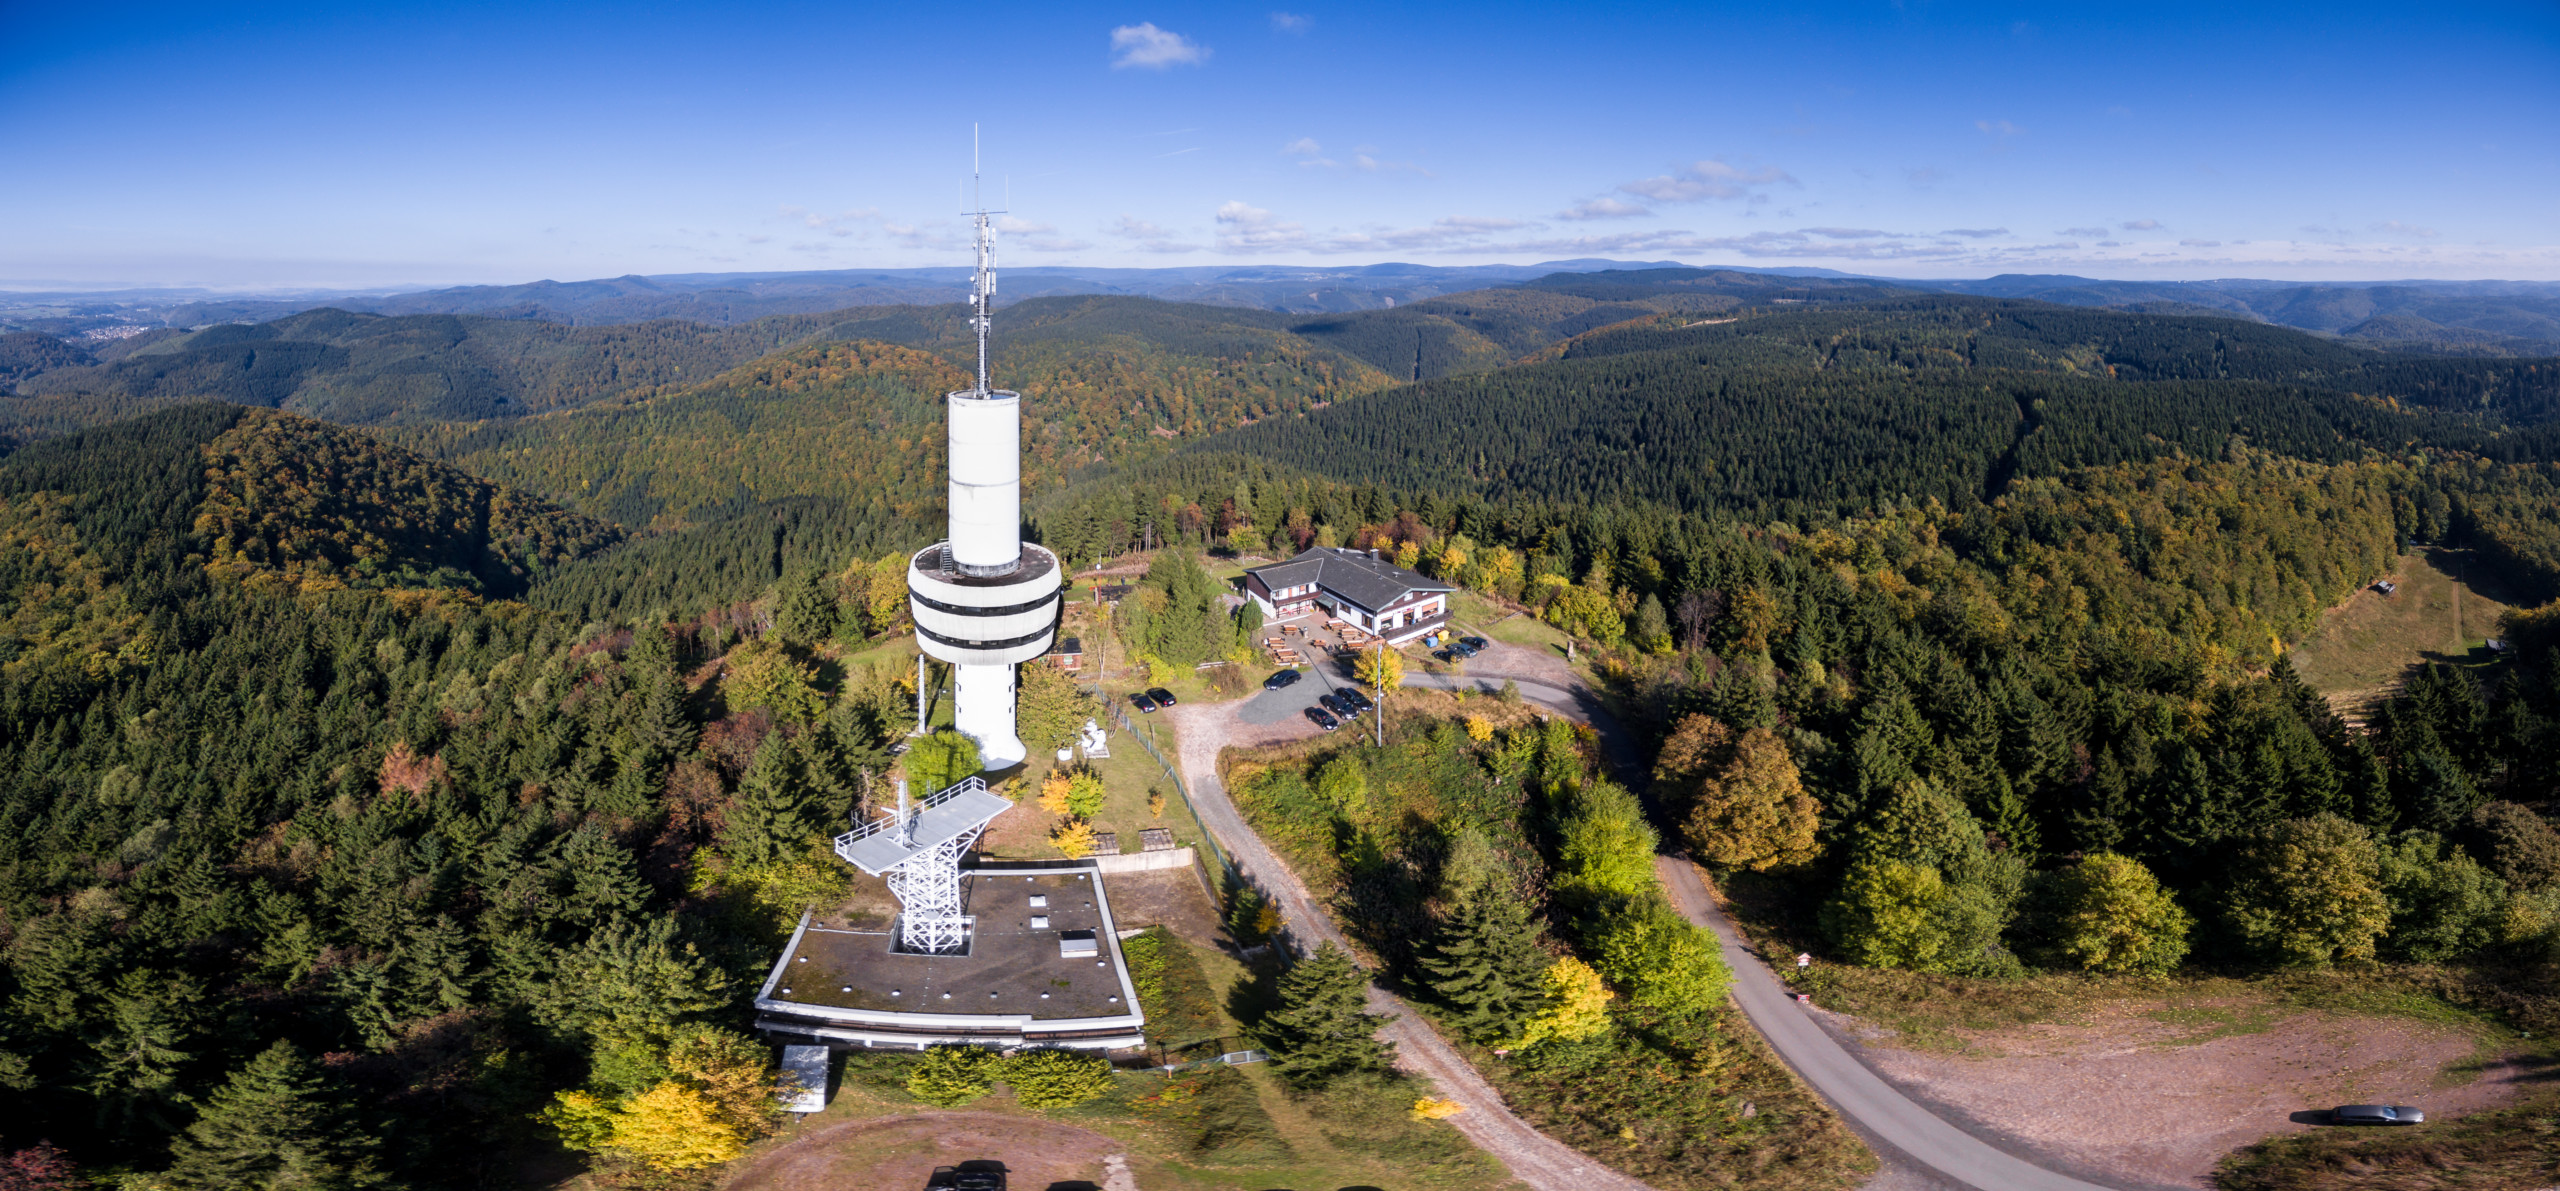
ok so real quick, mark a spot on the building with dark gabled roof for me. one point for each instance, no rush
(1355, 586)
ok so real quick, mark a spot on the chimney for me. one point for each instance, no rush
(1373, 554)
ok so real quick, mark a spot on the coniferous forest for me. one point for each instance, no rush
(383, 796)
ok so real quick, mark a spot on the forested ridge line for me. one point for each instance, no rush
(99, 525)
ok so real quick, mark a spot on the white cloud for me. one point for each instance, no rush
(1975, 233)
(1289, 22)
(2140, 225)
(2199, 243)
(1304, 146)
(1924, 176)
(1712, 179)
(1243, 227)
(1603, 208)
(1144, 46)
(2089, 232)
(1999, 128)
(1846, 233)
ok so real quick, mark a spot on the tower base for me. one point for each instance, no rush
(982, 710)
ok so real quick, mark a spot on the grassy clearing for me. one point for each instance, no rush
(2445, 610)
(1477, 613)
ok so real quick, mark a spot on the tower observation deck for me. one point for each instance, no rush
(983, 599)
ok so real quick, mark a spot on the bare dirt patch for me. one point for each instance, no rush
(898, 1153)
(2142, 1093)
(1172, 898)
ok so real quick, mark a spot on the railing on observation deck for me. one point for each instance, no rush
(885, 822)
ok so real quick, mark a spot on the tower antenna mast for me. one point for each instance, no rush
(982, 289)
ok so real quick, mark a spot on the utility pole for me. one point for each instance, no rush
(1381, 674)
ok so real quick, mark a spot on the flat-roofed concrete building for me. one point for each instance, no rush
(1041, 967)
(1356, 586)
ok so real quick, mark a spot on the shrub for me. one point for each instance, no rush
(1053, 1078)
(950, 1076)
(1074, 839)
(1433, 1108)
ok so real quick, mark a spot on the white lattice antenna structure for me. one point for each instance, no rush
(918, 852)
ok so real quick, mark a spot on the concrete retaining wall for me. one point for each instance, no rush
(1145, 862)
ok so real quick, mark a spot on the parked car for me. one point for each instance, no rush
(1446, 655)
(1352, 696)
(1281, 680)
(1163, 697)
(1473, 642)
(2377, 1114)
(1322, 720)
(1340, 709)
(1142, 702)
(1462, 649)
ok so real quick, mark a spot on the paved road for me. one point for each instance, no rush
(1537, 1160)
(1857, 1093)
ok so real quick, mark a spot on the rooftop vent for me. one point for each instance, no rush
(1078, 944)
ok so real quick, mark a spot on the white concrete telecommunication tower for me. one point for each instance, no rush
(984, 600)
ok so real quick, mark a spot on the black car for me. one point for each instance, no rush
(1352, 696)
(1322, 720)
(1163, 697)
(1446, 655)
(1334, 704)
(1142, 702)
(1473, 642)
(1281, 680)
(1462, 649)
(2377, 1114)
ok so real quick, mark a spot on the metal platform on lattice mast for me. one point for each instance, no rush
(918, 851)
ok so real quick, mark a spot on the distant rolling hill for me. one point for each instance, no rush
(1797, 412)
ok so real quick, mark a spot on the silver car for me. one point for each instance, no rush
(2376, 1114)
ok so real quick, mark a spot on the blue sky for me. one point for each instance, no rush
(279, 144)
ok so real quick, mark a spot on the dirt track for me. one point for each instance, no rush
(897, 1153)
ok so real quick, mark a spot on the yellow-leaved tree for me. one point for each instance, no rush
(1577, 1005)
(674, 1127)
(716, 1100)
(1382, 669)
